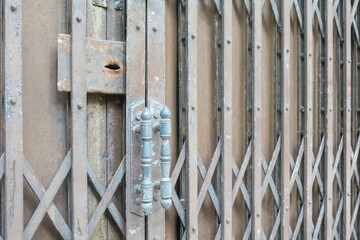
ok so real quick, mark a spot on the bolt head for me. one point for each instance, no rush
(78, 19)
(79, 105)
(13, 101)
(154, 29)
(138, 27)
(13, 7)
(193, 36)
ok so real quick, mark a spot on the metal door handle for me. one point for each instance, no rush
(147, 186)
(165, 158)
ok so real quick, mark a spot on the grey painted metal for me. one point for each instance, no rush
(191, 148)
(13, 205)
(346, 231)
(309, 106)
(285, 120)
(165, 158)
(329, 156)
(257, 155)
(146, 162)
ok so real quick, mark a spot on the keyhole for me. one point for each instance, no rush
(113, 66)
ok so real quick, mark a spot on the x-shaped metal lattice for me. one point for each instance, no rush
(354, 174)
(46, 198)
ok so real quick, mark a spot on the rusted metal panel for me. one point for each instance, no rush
(79, 122)
(13, 204)
(105, 65)
(257, 155)
(135, 102)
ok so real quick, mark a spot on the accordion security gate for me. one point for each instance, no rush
(265, 102)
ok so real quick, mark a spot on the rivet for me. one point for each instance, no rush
(258, 108)
(348, 194)
(258, 214)
(228, 41)
(258, 46)
(193, 108)
(118, 6)
(228, 107)
(349, 61)
(287, 208)
(193, 36)
(156, 114)
(329, 198)
(309, 108)
(13, 101)
(287, 50)
(348, 109)
(309, 202)
(286, 109)
(193, 229)
(309, 54)
(156, 238)
(138, 116)
(78, 19)
(228, 220)
(154, 29)
(330, 110)
(138, 27)
(330, 58)
(79, 105)
(13, 7)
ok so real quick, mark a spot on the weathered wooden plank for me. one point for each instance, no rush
(79, 122)
(346, 231)
(191, 121)
(329, 156)
(257, 122)
(13, 205)
(309, 90)
(135, 96)
(226, 120)
(285, 120)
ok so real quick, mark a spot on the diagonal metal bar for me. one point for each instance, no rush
(211, 189)
(179, 208)
(298, 224)
(179, 165)
(209, 175)
(39, 192)
(355, 213)
(319, 221)
(318, 159)
(337, 20)
(243, 188)
(268, 171)
(48, 198)
(338, 215)
(106, 198)
(2, 165)
(241, 173)
(272, 185)
(298, 12)
(295, 167)
(101, 191)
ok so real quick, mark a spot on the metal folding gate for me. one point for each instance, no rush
(262, 119)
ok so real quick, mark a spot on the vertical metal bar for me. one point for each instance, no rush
(191, 121)
(135, 98)
(13, 119)
(329, 156)
(285, 120)
(257, 132)
(309, 90)
(347, 137)
(156, 94)
(226, 121)
(79, 122)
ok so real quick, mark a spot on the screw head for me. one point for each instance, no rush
(193, 36)
(193, 229)
(154, 29)
(79, 105)
(258, 108)
(258, 214)
(78, 19)
(228, 41)
(138, 27)
(258, 46)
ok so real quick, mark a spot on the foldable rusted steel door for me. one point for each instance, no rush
(263, 132)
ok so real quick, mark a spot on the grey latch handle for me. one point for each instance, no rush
(146, 160)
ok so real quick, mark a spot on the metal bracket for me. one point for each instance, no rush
(105, 65)
(100, 3)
